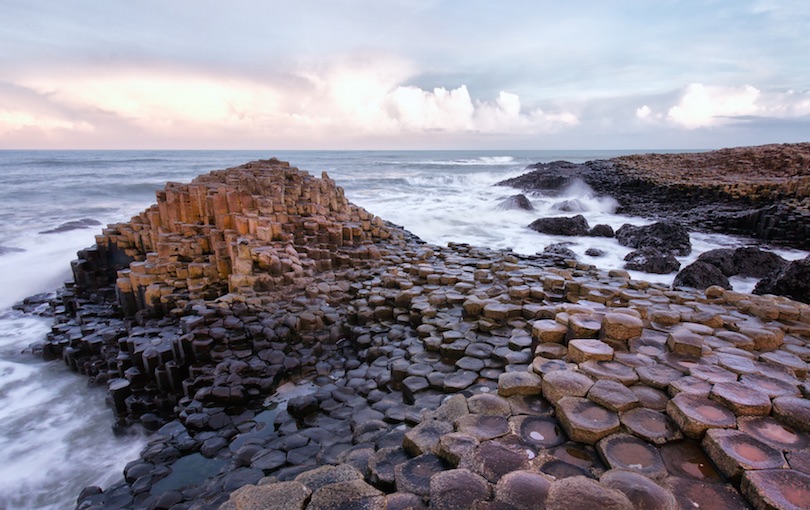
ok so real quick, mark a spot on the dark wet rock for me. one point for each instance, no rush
(524, 490)
(623, 451)
(774, 433)
(547, 177)
(686, 459)
(457, 489)
(664, 236)
(701, 275)
(642, 492)
(414, 475)
(757, 263)
(721, 259)
(300, 407)
(540, 432)
(73, 225)
(518, 201)
(793, 281)
(381, 465)
(562, 226)
(595, 252)
(601, 230)
(651, 260)
(561, 250)
(580, 493)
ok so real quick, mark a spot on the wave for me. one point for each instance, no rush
(479, 161)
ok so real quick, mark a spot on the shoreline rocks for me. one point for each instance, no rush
(438, 377)
(761, 192)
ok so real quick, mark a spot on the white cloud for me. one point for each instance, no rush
(643, 112)
(702, 105)
(16, 120)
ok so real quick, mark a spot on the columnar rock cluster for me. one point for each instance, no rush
(260, 226)
(440, 377)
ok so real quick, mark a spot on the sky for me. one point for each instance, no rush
(403, 74)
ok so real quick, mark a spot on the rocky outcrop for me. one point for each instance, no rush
(793, 280)
(561, 226)
(568, 385)
(519, 202)
(715, 266)
(761, 192)
(664, 236)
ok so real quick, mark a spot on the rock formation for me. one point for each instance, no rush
(441, 377)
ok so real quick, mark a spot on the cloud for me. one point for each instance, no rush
(700, 106)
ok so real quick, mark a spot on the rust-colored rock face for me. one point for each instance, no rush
(259, 226)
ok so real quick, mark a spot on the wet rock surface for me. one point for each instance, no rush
(286, 344)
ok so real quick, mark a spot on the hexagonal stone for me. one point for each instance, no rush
(457, 489)
(424, 437)
(414, 475)
(538, 431)
(650, 398)
(623, 451)
(551, 350)
(612, 395)
(494, 459)
(519, 383)
(690, 384)
(764, 339)
(403, 501)
(580, 493)
(642, 492)
(777, 488)
(352, 494)
(411, 386)
(544, 366)
(741, 399)
(459, 380)
(621, 327)
(695, 415)
(580, 350)
(772, 387)
(696, 494)
(455, 446)
(381, 465)
(325, 475)
(584, 325)
(652, 426)
(482, 427)
(610, 370)
(737, 364)
(275, 496)
(685, 343)
(534, 405)
(774, 433)
(523, 490)
(488, 404)
(565, 383)
(686, 459)
(734, 452)
(585, 421)
(712, 374)
(548, 330)
(786, 360)
(793, 411)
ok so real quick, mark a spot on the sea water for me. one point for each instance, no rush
(55, 432)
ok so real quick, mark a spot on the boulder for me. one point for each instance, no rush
(571, 205)
(602, 230)
(751, 261)
(722, 259)
(560, 249)
(651, 260)
(666, 236)
(562, 226)
(701, 275)
(792, 281)
(519, 202)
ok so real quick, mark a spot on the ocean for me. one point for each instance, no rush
(56, 433)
